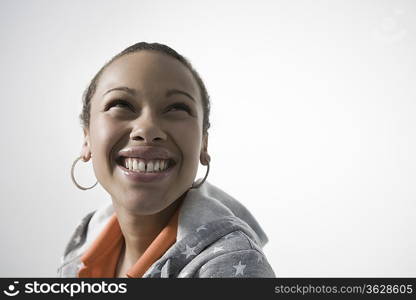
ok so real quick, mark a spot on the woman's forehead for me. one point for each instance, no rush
(148, 72)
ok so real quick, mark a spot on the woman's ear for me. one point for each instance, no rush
(86, 150)
(204, 156)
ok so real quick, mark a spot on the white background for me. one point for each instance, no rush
(313, 122)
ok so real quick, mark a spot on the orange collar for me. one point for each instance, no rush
(101, 259)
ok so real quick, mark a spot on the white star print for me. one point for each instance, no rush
(239, 269)
(156, 270)
(77, 239)
(259, 257)
(216, 249)
(202, 227)
(189, 251)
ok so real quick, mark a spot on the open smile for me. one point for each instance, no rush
(140, 165)
(145, 164)
(138, 170)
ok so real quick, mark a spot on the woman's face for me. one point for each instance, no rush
(149, 102)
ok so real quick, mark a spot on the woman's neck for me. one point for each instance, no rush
(139, 231)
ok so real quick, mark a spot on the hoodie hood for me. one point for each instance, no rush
(208, 204)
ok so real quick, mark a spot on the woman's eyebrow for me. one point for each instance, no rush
(176, 91)
(133, 92)
(122, 88)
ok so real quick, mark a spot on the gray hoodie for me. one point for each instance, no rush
(216, 237)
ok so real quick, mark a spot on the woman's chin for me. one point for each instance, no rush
(142, 204)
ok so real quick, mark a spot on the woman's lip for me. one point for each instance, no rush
(145, 177)
(146, 153)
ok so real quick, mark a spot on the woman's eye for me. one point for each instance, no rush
(119, 103)
(180, 106)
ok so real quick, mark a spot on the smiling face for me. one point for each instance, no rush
(150, 102)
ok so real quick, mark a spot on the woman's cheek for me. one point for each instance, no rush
(190, 143)
(105, 136)
(188, 137)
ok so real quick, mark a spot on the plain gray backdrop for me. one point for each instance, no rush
(313, 122)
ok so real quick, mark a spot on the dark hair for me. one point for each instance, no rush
(89, 92)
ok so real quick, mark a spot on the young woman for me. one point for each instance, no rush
(145, 119)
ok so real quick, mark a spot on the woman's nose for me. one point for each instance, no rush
(147, 129)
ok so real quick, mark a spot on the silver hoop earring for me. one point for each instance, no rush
(73, 177)
(199, 182)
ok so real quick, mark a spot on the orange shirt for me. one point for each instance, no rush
(101, 259)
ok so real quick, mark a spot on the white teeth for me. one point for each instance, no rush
(149, 167)
(140, 165)
(156, 166)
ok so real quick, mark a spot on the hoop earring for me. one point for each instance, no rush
(199, 182)
(73, 177)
